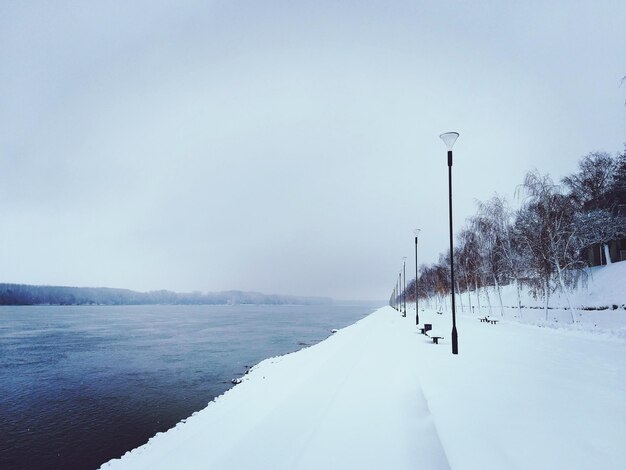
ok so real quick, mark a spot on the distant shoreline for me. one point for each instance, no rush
(25, 294)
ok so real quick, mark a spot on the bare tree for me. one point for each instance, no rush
(461, 276)
(597, 190)
(618, 188)
(492, 225)
(590, 187)
(540, 245)
(471, 262)
(530, 243)
(507, 263)
(433, 284)
(549, 235)
(600, 227)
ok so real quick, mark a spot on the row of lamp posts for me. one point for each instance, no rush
(398, 296)
(399, 293)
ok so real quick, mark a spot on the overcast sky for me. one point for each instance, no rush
(283, 146)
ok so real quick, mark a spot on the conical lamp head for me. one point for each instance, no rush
(449, 138)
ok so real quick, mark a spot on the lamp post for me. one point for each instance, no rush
(449, 138)
(404, 288)
(417, 314)
(400, 292)
(395, 296)
(399, 309)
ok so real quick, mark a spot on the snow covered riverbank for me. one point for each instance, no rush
(380, 395)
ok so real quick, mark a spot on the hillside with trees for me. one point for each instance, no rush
(21, 294)
(545, 245)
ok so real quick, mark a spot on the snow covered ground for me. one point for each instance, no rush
(599, 304)
(379, 395)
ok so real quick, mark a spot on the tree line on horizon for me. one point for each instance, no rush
(22, 294)
(544, 244)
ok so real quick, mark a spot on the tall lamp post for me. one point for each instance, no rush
(404, 288)
(417, 310)
(400, 292)
(395, 296)
(449, 138)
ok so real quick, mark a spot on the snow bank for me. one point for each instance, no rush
(605, 287)
(380, 395)
(599, 304)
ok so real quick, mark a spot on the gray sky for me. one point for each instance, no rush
(283, 146)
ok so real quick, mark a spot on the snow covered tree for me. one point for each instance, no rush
(598, 190)
(493, 225)
(468, 257)
(485, 242)
(428, 282)
(541, 244)
(618, 192)
(549, 236)
(590, 187)
(600, 227)
(442, 280)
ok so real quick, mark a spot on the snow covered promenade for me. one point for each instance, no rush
(378, 395)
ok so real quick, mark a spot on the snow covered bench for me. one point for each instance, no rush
(426, 329)
(435, 338)
(488, 320)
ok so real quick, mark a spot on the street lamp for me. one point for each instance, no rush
(404, 289)
(399, 292)
(395, 296)
(449, 138)
(417, 314)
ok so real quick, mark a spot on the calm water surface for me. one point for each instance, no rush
(81, 385)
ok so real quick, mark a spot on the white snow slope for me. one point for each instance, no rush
(379, 395)
(605, 290)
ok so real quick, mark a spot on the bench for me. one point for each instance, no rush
(435, 338)
(488, 320)
(484, 319)
(426, 329)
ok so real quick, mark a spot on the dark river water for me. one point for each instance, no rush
(81, 385)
